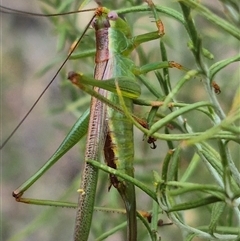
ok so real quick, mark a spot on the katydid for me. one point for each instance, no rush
(114, 43)
(107, 125)
(129, 72)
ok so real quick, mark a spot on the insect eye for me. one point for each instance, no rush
(112, 16)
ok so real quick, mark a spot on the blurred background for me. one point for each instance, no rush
(32, 50)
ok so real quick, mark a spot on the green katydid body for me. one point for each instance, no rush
(119, 145)
(108, 125)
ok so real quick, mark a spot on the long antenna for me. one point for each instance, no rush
(20, 12)
(53, 78)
